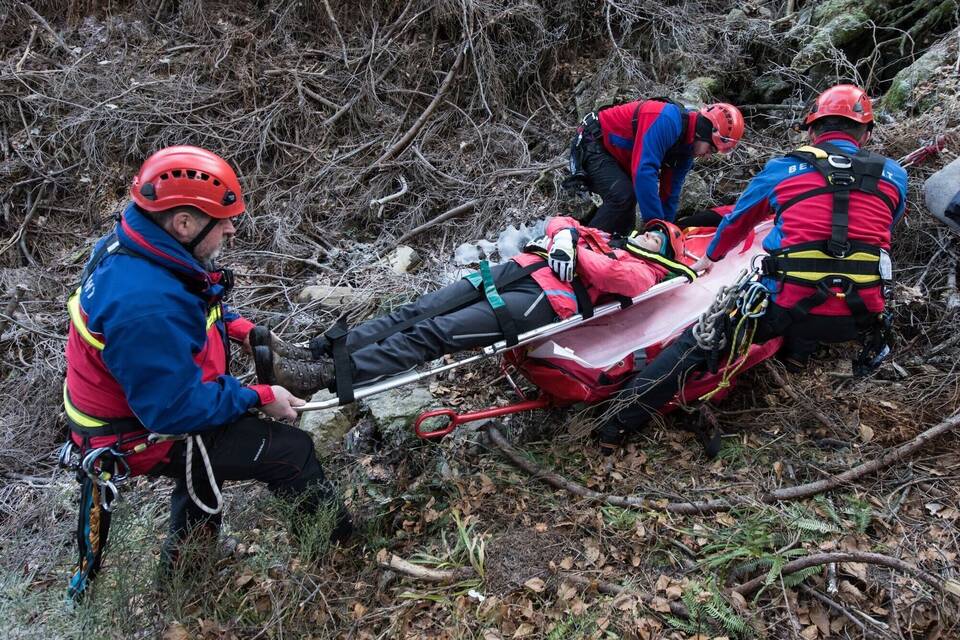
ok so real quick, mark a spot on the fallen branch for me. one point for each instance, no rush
(15, 295)
(459, 210)
(852, 556)
(713, 506)
(393, 561)
(46, 25)
(869, 632)
(393, 196)
(405, 140)
(446, 576)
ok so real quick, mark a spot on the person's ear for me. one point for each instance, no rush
(182, 224)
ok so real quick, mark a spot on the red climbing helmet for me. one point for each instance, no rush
(674, 235)
(844, 100)
(188, 176)
(727, 124)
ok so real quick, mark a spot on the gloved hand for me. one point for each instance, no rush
(703, 264)
(562, 258)
(576, 187)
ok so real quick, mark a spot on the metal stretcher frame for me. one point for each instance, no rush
(499, 347)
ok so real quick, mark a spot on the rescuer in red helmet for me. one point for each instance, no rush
(148, 386)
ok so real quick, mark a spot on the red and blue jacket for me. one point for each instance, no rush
(644, 138)
(782, 179)
(148, 339)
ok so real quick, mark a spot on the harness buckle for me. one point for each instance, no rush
(839, 162)
(838, 249)
(841, 178)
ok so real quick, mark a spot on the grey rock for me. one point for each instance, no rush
(403, 259)
(901, 93)
(940, 188)
(333, 297)
(394, 412)
(328, 426)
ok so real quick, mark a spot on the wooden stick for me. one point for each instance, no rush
(336, 28)
(405, 140)
(466, 207)
(46, 25)
(444, 576)
(848, 556)
(393, 561)
(713, 506)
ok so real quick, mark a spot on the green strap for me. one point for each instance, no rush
(489, 288)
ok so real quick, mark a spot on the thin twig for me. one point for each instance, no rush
(466, 207)
(405, 140)
(46, 25)
(847, 556)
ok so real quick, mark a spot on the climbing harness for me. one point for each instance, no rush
(837, 263)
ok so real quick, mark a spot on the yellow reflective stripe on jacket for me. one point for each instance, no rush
(78, 416)
(76, 317)
(860, 256)
(816, 276)
(213, 316)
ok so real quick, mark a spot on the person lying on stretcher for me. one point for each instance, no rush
(561, 274)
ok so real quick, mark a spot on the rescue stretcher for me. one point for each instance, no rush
(612, 336)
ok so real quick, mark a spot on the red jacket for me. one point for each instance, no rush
(623, 274)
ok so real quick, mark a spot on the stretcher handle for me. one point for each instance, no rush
(457, 419)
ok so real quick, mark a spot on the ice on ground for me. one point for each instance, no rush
(467, 253)
(510, 242)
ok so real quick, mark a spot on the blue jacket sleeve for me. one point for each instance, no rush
(677, 176)
(898, 176)
(753, 205)
(151, 356)
(652, 146)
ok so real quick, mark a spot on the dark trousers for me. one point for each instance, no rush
(251, 448)
(657, 383)
(605, 177)
(470, 326)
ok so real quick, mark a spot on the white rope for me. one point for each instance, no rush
(210, 477)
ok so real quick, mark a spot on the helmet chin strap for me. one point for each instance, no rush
(190, 246)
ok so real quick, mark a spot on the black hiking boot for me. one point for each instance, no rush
(299, 377)
(263, 337)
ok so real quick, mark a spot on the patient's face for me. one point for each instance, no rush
(650, 241)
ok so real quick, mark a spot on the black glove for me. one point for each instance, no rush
(576, 187)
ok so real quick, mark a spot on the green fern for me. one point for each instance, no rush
(794, 579)
(826, 504)
(718, 609)
(815, 525)
(861, 512)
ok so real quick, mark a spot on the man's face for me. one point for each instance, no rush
(210, 247)
(702, 149)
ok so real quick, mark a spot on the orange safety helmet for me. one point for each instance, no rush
(844, 100)
(188, 176)
(727, 124)
(674, 235)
